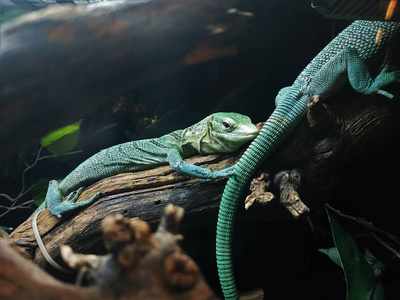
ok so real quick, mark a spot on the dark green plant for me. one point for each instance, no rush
(361, 269)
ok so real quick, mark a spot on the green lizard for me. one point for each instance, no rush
(343, 60)
(217, 133)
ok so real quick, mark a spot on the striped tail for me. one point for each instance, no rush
(279, 125)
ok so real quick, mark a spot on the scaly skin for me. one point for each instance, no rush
(217, 133)
(342, 60)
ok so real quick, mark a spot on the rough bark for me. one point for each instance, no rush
(337, 132)
(140, 194)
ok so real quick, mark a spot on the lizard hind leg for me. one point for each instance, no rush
(360, 78)
(57, 207)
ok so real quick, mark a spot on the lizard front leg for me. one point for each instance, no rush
(178, 164)
(57, 207)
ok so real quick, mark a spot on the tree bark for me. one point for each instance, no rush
(141, 194)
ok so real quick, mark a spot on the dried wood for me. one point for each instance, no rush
(140, 194)
(140, 265)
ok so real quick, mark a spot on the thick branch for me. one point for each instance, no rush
(141, 265)
(140, 194)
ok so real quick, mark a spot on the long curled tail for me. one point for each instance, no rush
(275, 130)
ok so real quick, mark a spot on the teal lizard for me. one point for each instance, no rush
(217, 133)
(344, 59)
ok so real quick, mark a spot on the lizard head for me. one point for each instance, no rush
(222, 133)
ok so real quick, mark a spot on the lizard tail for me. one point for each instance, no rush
(275, 130)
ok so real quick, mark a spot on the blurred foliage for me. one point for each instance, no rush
(39, 190)
(62, 140)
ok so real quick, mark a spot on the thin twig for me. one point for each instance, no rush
(384, 244)
(37, 159)
(28, 168)
(20, 206)
(7, 197)
(14, 199)
(60, 155)
(23, 192)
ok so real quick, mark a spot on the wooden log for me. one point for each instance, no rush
(140, 194)
(21, 279)
(62, 60)
(141, 265)
(337, 132)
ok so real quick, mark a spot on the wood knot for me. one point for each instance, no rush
(260, 193)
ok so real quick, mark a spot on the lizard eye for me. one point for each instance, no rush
(226, 124)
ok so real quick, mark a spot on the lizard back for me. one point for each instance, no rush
(360, 35)
(127, 157)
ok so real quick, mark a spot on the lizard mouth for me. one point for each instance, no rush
(251, 132)
(241, 136)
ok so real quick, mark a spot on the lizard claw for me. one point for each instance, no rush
(385, 93)
(384, 78)
(100, 195)
(74, 195)
(226, 172)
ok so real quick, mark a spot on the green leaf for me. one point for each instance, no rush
(360, 278)
(375, 264)
(333, 254)
(39, 190)
(62, 140)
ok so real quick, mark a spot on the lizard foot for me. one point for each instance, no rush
(72, 197)
(224, 172)
(384, 78)
(58, 208)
